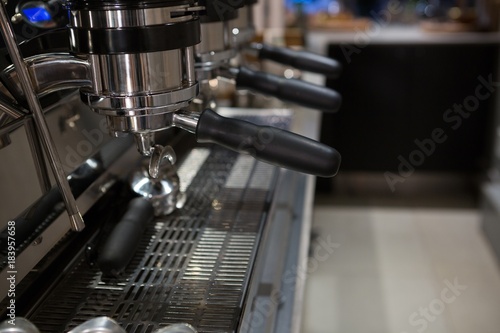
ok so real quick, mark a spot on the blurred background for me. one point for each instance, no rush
(414, 212)
(435, 15)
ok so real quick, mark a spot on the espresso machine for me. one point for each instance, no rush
(129, 201)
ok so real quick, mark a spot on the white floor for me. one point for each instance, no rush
(401, 270)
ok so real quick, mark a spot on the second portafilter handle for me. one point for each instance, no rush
(290, 90)
(303, 60)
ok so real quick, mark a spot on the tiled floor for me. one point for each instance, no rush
(401, 270)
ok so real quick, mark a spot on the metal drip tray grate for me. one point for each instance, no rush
(192, 266)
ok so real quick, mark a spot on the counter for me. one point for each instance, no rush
(379, 34)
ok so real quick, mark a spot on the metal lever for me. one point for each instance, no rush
(75, 217)
(302, 60)
(291, 90)
(265, 143)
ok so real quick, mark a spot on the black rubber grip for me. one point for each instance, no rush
(133, 40)
(269, 144)
(303, 60)
(122, 243)
(291, 90)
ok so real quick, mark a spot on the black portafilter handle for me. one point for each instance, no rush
(303, 60)
(291, 90)
(124, 239)
(268, 144)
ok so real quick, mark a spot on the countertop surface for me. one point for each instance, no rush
(380, 34)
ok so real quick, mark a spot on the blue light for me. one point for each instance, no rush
(36, 14)
(309, 6)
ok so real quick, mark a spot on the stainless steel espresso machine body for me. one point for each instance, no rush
(195, 233)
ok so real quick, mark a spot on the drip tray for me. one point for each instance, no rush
(192, 266)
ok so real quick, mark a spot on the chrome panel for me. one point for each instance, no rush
(141, 73)
(117, 18)
(47, 76)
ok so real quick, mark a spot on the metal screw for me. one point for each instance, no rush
(38, 241)
(118, 134)
(104, 188)
(16, 18)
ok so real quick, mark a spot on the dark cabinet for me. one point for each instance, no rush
(395, 98)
